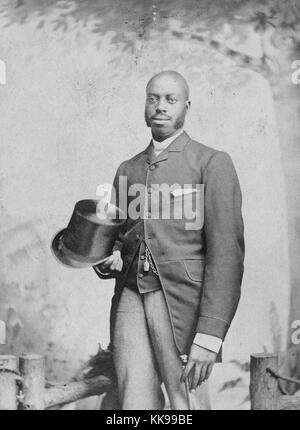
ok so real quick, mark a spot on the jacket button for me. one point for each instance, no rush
(152, 167)
(140, 275)
(142, 257)
(137, 237)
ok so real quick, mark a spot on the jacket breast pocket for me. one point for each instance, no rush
(195, 269)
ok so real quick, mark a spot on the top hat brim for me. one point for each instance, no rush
(67, 260)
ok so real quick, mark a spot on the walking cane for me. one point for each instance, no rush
(186, 383)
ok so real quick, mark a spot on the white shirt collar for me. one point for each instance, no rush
(160, 146)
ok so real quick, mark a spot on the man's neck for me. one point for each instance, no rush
(162, 138)
(160, 146)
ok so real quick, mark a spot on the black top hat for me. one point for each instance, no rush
(90, 235)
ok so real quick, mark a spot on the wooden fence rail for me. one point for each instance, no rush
(23, 386)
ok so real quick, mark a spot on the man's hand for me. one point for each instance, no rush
(113, 263)
(199, 366)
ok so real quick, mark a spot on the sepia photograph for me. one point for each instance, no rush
(149, 207)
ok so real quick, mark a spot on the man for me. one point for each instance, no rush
(177, 288)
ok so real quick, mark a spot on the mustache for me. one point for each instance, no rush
(160, 116)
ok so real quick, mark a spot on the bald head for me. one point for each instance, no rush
(171, 77)
(167, 102)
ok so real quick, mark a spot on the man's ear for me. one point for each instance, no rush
(188, 104)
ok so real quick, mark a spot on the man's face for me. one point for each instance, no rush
(166, 106)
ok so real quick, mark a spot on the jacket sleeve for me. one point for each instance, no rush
(224, 238)
(119, 187)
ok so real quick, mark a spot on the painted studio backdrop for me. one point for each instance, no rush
(73, 76)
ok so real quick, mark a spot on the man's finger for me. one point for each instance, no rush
(118, 267)
(114, 264)
(104, 260)
(202, 374)
(107, 262)
(209, 370)
(186, 371)
(190, 377)
(196, 376)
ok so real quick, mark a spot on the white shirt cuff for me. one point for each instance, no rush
(207, 341)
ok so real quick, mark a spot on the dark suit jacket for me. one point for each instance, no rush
(200, 270)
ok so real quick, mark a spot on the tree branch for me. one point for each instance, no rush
(67, 393)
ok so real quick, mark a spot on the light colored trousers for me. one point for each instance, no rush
(145, 355)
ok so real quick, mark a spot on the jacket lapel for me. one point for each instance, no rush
(176, 146)
(179, 143)
(149, 153)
